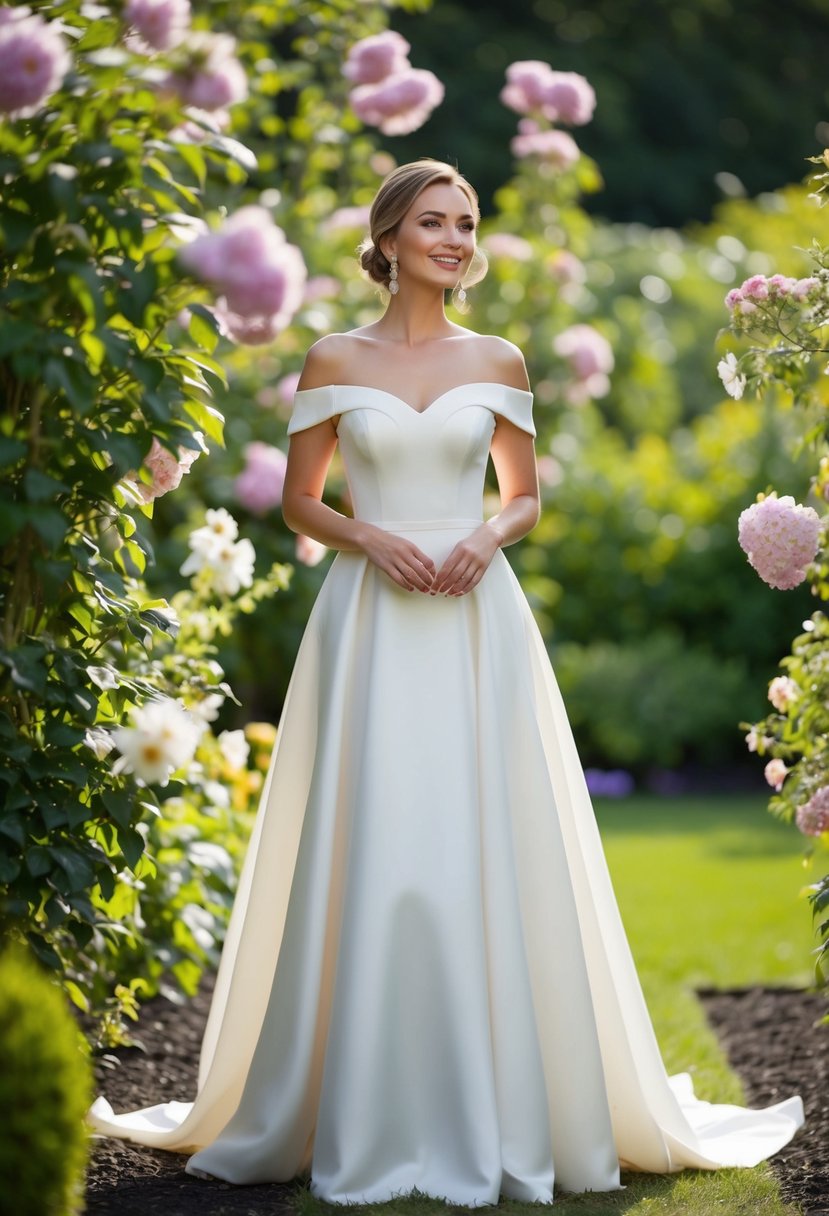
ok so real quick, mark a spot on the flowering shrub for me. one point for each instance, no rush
(389, 93)
(786, 322)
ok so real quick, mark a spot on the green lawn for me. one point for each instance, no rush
(708, 890)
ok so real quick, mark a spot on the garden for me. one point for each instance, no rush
(184, 190)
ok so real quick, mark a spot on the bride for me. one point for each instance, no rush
(426, 984)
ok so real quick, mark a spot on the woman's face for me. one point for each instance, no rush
(436, 237)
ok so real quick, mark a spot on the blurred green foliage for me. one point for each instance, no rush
(687, 90)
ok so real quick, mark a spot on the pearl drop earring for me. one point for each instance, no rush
(394, 286)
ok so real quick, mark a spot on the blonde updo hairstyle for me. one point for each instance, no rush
(391, 203)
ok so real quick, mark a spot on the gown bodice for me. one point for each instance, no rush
(406, 466)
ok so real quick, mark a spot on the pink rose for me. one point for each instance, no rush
(590, 357)
(161, 23)
(259, 486)
(374, 58)
(782, 692)
(309, 551)
(775, 773)
(214, 77)
(400, 103)
(33, 62)
(165, 468)
(555, 147)
(569, 98)
(755, 288)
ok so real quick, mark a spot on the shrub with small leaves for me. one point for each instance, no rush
(45, 1091)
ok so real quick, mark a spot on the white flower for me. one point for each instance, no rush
(733, 382)
(99, 742)
(207, 709)
(162, 738)
(219, 528)
(782, 691)
(234, 747)
(229, 566)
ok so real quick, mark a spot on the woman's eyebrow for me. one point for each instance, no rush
(442, 214)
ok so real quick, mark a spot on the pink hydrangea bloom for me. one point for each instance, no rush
(376, 57)
(812, 818)
(258, 274)
(259, 486)
(33, 62)
(775, 773)
(165, 468)
(161, 23)
(508, 245)
(247, 331)
(400, 103)
(780, 538)
(590, 358)
(555, 147)
(526, 82)
(309, 551)
(782, 692)
(569, 98)
(214, 78)
(533, 87)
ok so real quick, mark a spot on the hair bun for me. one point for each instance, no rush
(374, 262)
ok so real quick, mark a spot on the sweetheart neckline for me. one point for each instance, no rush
(386, 392)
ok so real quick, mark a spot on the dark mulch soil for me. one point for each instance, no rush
(774, 1040)
(128, 1180)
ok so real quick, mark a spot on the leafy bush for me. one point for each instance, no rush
(45, 1091)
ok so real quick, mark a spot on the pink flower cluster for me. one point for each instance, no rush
(33, 61)
(389, 93)
(508, 245)
(534, 88)
(165, 468)
(557, 148)
(259, 486)
(161, 23)
(757, 289)
(213, 77)
(590, 358)
(780, 538)
(812, 818)
(260, 277)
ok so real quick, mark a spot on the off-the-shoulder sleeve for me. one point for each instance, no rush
(516, 404)
(312, 405)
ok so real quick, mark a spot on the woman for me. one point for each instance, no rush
(425, 983)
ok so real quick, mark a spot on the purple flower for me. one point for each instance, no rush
(609, 783)
(33, 62)
(259, 486)
(400, 103)
(812, 818)
(161, 23)
(555, 147)
(373, 59)
(780, 539)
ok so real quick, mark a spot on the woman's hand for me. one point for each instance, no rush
(468, 561)
(399, 558)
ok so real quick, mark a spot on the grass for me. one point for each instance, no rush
(708, 890)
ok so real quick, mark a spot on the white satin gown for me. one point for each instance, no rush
(425, 981)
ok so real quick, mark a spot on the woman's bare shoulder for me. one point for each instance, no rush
(327, 361)
(504, 359)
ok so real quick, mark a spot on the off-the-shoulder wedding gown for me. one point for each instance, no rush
(425, 982)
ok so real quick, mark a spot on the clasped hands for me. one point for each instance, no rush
(411, 568)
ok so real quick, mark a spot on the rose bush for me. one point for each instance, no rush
(782, 324)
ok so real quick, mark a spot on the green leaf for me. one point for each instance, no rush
(12, 826)
(46, 953)
(40, 486)
(11, 450)
(76, 867)
(131, 844)
(9, 869)
(38, 861)
(207, 419)
(203, 327)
